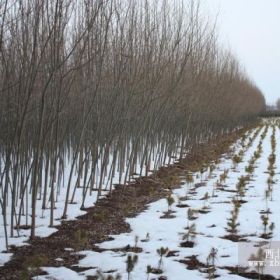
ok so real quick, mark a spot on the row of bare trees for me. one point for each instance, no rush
(93, 92)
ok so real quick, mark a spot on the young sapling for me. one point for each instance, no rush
(170, 200)
(190, 216)
(161, 252)
(189, 236)
(130, 264)
(149, 270)
(211, 263)
(205, 198)
(136, 239)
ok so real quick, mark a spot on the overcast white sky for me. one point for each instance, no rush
(252, 30)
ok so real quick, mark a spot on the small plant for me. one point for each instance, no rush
(271, 229)
(215, 186)
(161, 252)
(266, 195)
(240, 187)
(272, 173)
(149, 270)
(240, 192)
(249, 169)
(201, 171)
(136, 239)
(189, 236)
(190, 216)
(179, 200)
(257, 154)
(267, 228)
(189, 178)
(32, 264)
(170, 200)
(241, 153)
(168, 214)
(265, 220)
(271, 159)
(232, 222)
(236, 204)
(217, 161)
(147, 237)
(205, 198)
(80, 239)
(270, 181)
(130, 264)
(211, 263)
(223, 176)
(236, 160)
(211, 169)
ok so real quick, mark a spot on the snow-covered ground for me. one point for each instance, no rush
(210, 227)
(153, 232)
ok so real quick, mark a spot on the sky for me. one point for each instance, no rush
(251, 29)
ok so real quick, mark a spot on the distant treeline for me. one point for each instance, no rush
(270, 113)
(94, 90)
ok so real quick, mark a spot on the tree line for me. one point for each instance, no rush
(95, 92)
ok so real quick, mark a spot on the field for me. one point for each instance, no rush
(196, 232)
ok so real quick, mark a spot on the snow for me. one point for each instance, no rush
(60, 273)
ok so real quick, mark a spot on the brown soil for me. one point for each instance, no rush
(249, 275)
(266, 236)
(203, 211)
(108, 215)
(192, 263)
(182, 205)
(265, 212)
(168, 215)
(172, 254)
(156, 270)
(232, 237)
(235, 237)
(187, 244)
